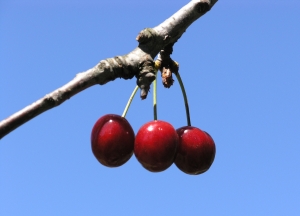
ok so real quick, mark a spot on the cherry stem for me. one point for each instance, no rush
(155, 97)
(187, 110)
(129, 101)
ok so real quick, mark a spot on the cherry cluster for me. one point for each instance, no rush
(157, 145)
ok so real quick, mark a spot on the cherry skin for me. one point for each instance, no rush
(112, 140)
(155, 145)
(196, 150)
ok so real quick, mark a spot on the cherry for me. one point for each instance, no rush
(112, 140)
(196, 150)
(155, 145)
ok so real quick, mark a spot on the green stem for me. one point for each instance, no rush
(155, 97)
(185, 99)
(129, 101)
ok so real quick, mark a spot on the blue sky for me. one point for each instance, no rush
(241, 67)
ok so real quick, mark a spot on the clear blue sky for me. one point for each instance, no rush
(241, 67)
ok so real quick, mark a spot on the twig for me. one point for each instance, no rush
(138, 63)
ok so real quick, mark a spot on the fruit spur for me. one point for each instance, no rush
(157, 144)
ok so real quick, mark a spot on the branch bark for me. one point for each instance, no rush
(138, 63)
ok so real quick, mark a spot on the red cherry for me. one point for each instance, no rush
(155, 145)
(196, 150)
(112, 140)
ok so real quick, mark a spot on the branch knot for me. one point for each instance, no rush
(145, 77)
(146, 35)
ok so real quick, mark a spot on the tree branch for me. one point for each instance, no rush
(138, 63)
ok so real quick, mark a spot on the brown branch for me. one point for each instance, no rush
(138, 63)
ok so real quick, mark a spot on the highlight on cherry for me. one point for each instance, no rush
(157, 144)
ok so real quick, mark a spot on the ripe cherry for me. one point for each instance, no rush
(155, 145)
(112, 140)
(196, 150)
